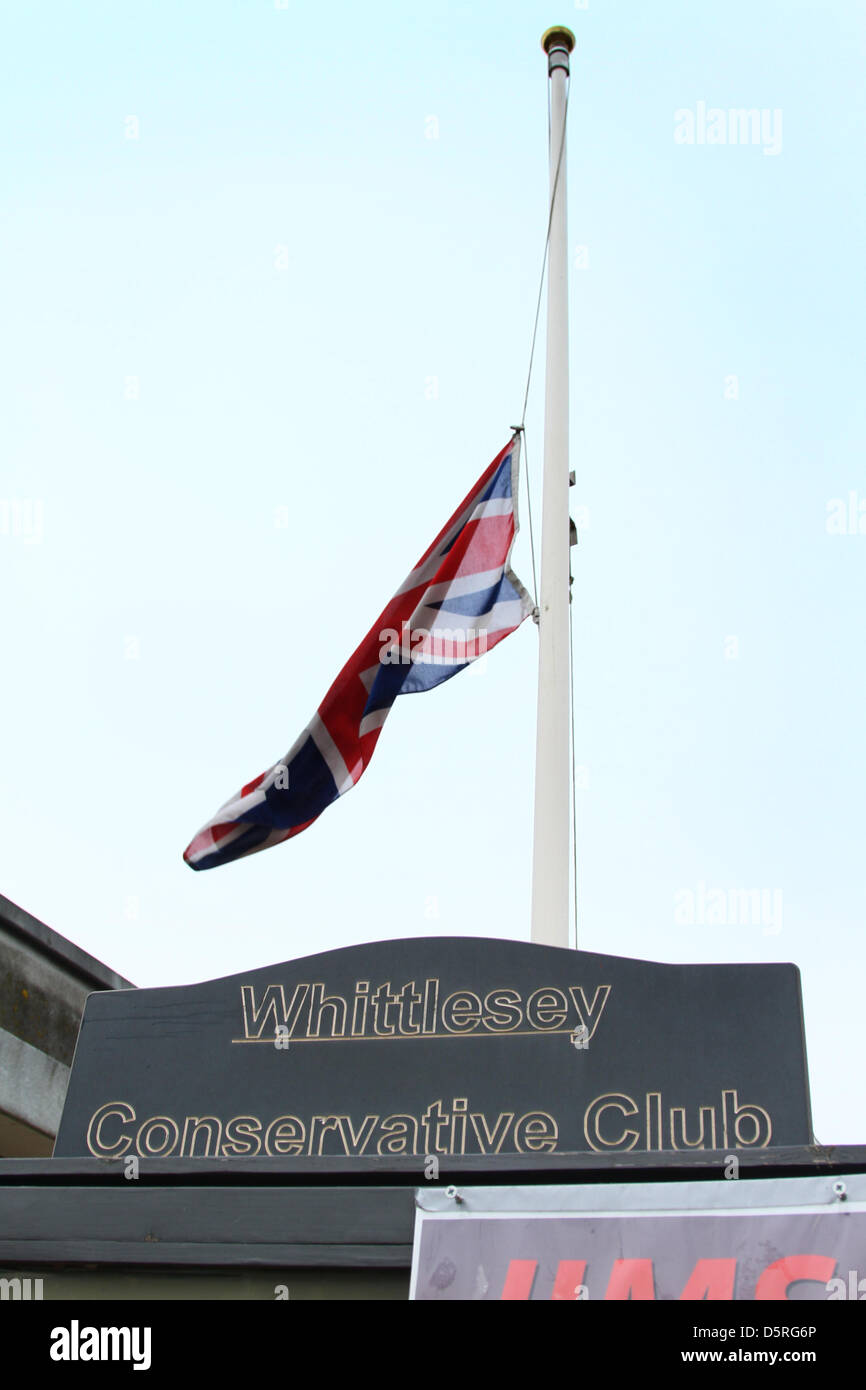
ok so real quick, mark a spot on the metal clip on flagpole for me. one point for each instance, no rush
(551, 860)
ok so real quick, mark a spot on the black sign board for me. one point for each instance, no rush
(443, 1046)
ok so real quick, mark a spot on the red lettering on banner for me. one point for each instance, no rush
(712, 1280)
(631, 1279)
(569, 1277)
(519, 1279)
(779, 1276)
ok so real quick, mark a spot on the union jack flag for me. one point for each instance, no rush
(458, 602)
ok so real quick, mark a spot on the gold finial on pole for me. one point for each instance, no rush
(557, 44)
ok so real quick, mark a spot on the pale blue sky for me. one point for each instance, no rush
(283, 260)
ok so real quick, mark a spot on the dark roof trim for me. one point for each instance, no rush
(489, 1170)
(56, 947)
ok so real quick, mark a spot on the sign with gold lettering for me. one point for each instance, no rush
(443, 1047)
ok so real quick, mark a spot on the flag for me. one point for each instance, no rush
(458, 602)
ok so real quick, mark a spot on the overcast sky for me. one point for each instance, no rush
(268, 288)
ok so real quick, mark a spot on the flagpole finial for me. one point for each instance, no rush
(557, 44)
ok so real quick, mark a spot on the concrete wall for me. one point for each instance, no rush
(44, 981)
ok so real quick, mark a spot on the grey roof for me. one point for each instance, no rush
(50, 943)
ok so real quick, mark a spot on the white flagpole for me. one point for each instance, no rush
(550, 864)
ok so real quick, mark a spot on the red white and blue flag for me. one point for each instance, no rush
(458, 602)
